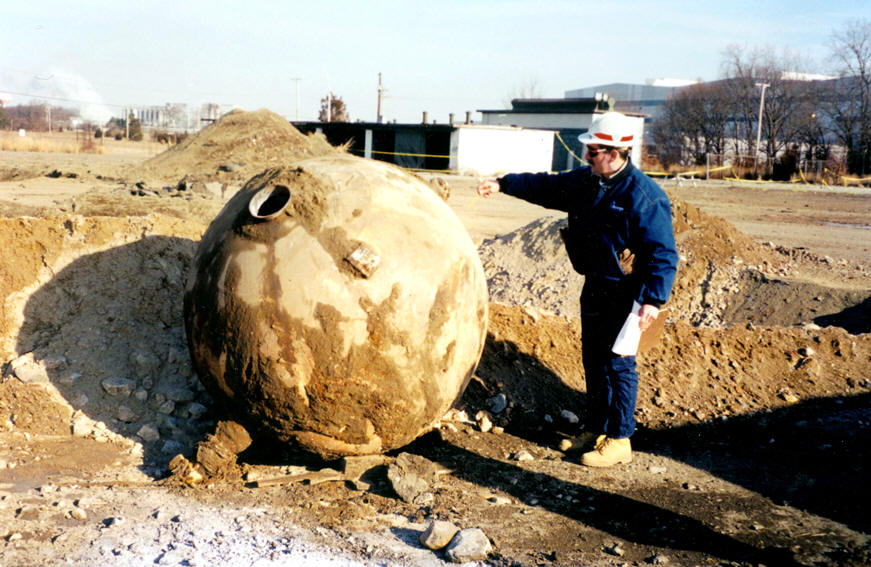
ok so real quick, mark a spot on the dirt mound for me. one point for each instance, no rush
(529, 266)
(231, 150)
(724, 277)
(93, 310)
(693, 375)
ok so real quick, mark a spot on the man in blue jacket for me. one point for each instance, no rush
(620, 237)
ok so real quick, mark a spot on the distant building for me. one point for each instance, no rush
(568, 118)
(647, 98)
(176, 117)
(460, 148)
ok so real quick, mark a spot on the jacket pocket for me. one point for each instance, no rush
(574, 243)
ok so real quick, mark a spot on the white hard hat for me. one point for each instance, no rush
(610, 129)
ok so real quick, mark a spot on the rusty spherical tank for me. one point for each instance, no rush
(339, 305)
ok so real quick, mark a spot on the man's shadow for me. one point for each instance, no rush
(802, 455)
(622, 517)
(811, 456)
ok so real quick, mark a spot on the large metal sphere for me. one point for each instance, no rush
(340, 305)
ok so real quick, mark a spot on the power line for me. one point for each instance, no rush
(31, 95)
(80, 101)
(77, 81)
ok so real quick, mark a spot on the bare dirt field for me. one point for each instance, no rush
(754, 409)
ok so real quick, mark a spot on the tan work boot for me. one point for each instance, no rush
(608, 452)
(583, 442)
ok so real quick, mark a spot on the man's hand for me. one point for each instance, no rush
(647, 315)
(487, 188)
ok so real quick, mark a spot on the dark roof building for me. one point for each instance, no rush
(567, 117)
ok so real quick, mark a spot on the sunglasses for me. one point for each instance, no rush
(593, 152)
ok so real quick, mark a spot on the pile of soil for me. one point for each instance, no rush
(92, 301)
(694, 375)
(231, 150)
(724, 277)
(93, 308)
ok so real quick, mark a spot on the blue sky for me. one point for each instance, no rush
(439, 56)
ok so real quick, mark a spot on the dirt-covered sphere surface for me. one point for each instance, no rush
(338, 305)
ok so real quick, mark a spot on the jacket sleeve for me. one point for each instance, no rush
(657, 241)
(549, 190)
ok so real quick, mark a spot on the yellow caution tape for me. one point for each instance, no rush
(425, 170)
(686, 173)
(568, 149)
(401, 154)
(854, 179)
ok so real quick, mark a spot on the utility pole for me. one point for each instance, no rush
(296, 80)
(759, 126)
(329, 106)
(380, 96)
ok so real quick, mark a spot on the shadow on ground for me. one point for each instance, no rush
(812, 456)
(855, 320)
(108, 331)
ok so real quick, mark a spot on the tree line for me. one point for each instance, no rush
(40, 117)
(824, 120)
(37, 117)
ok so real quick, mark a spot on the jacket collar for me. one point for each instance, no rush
(614, 179)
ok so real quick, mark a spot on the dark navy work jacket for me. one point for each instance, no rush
(605, 217)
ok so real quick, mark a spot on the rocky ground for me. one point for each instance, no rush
(754, 413)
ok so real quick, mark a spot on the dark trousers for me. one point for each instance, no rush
(612, 382)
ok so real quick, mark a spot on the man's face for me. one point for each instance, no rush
(599, 158)
(603, 160)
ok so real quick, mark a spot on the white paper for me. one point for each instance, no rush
(627, 341)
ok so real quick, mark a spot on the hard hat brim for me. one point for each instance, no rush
(588, 138)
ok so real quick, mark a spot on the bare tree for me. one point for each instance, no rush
(29, 116)
(788, 103)
(741, 72)
(848, 101)
(174, 115)
(527, 89)
(693, 124)
(35, 116)
(333, 109)
(814, 128)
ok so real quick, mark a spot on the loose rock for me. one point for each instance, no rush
(470, 544)
(484, 422)
(119, 387)
(498, 403)
(411, 475)
(438, 534)
(523, 456)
